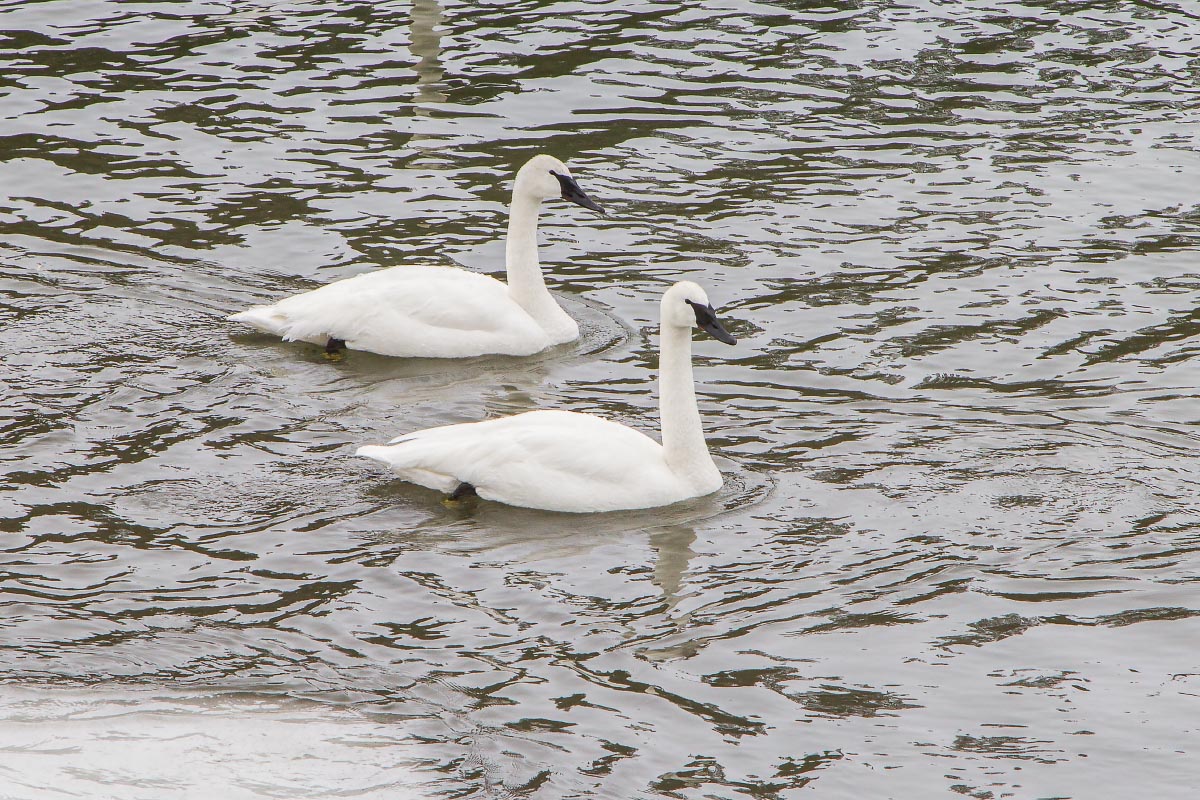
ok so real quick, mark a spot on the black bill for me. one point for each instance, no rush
(572, 192)
(706, 318)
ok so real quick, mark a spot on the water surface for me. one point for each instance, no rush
(956, 551)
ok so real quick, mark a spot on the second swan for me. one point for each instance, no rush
(567, 461)
(442, 312)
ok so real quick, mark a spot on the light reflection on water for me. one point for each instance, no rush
(135, 744)
(955, 550)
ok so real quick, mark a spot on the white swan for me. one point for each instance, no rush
(442, 312)
(567, 461)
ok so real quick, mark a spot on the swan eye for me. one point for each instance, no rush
(706, 318)
(705, 314)
(572, 192)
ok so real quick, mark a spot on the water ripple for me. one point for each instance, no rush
(958, 430)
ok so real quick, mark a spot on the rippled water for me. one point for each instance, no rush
(956, 551)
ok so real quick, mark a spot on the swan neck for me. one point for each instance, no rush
(525, 282)
(526, 286)
(682, 433)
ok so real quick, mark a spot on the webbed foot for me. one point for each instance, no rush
(334, 348)
(463, 492)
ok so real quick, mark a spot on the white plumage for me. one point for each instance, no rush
(437, 312)
(567, 461)
(442, 312)
(540, 459)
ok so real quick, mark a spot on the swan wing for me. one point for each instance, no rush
(407, 311)
(553, 460)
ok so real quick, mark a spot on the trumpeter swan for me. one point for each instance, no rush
(567, 461)
(442, 312)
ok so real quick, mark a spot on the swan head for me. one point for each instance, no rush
(686, 305)
(546, 178)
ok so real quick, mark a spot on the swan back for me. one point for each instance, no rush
(553, 460)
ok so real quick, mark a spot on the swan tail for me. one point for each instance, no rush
(269, 319)
(262, 318)
(402, 466)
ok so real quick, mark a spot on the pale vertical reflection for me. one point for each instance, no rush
(427, 46)
(673, 546)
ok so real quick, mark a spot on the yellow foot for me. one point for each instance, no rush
(338, 356)
(463, 498)
(465, 506)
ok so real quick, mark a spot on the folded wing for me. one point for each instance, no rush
(406, 311)
(555, 460)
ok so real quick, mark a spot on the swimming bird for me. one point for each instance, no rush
(568, 461)
(442, 312)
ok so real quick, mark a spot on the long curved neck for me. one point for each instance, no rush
(525, 282)
(682, 435)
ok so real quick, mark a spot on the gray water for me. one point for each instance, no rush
(956, 549)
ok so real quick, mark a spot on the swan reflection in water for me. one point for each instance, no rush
(673, 547)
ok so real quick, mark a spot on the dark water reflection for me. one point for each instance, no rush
(957, 549)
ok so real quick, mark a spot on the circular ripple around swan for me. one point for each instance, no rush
(501, 525)
(599, 332)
